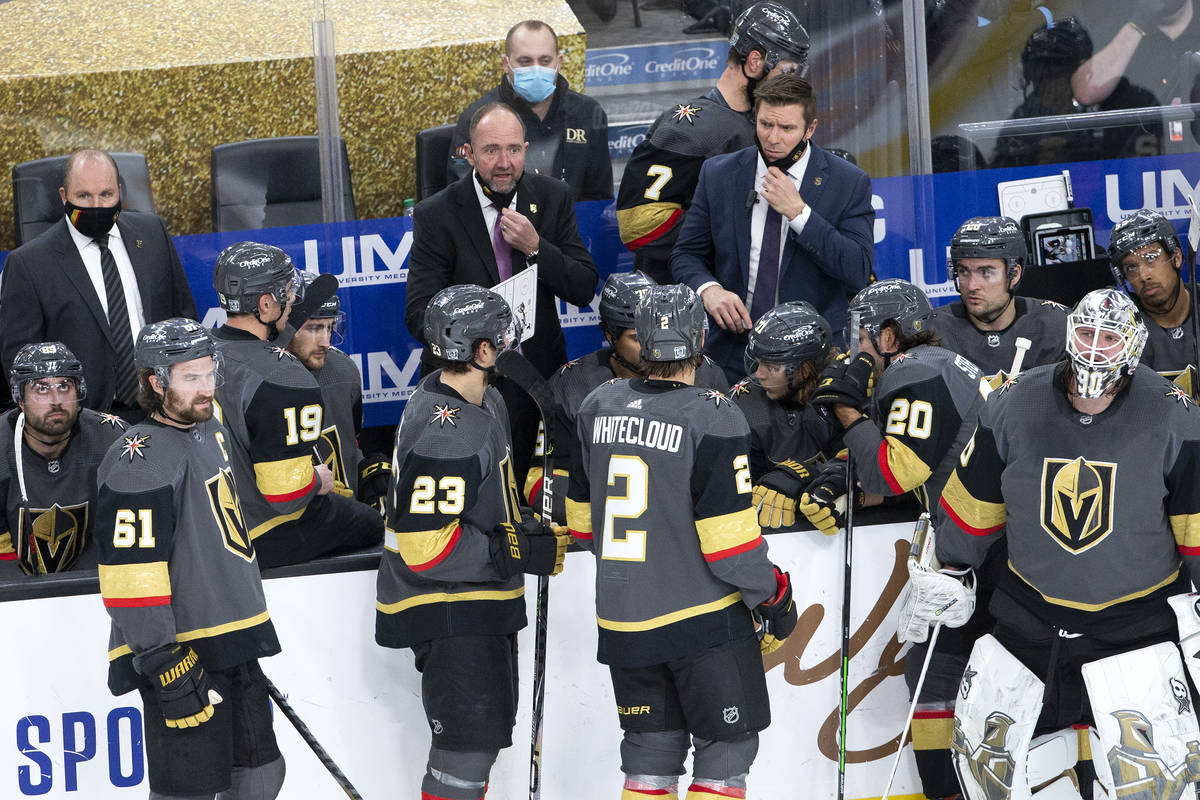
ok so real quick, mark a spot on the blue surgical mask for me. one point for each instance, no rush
(534, 83)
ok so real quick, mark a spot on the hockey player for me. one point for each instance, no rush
(922, 411)
(273, 409)
(1147, 260)
(51, 449)
(620, 359)
(452, 579)
(179, 579)
(1086, 469)
(660, 177)
(987, 258)
(314, 344)
(788, 348)
(682, 573)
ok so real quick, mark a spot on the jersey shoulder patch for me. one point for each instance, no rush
(686, 112)
(444, 413)
(1181, 397)
(718, 398)
(742, 387)
(1054, 305)
(135, 446)
(109, 420)
(570, 365)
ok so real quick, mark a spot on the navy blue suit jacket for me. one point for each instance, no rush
(829, 260)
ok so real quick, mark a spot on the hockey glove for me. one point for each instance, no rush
(775, 619)
(934, 596)
(777, 490)
(824, 503)
(530, 547)
(374, 479)
(846, 382)
(180, 684)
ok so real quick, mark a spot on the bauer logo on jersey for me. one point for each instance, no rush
(1077, 501)
(51, 538)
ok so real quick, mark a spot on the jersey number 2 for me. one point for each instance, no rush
(632, 545)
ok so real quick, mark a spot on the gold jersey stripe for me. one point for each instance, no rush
(1187, 529)
(579, 516)
(978, 516)
(674, 616)
(647, 218)
(532, 479)
(728, 531)
(932, 732)
(423, 549)
(902, 468)
(278, 479)
(448, 597)
(6, 545)
(203, 633)
(1058, 601)
(273, 522)
(135, 580)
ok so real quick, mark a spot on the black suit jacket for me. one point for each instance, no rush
(451, 246)
(46, 295)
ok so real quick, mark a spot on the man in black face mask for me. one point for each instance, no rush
(92, 282)
(781, 220)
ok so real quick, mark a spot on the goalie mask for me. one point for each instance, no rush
(459, 316)
(787, 336)
(1105, 339)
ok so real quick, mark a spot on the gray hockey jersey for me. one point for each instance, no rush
(661, 493)
(1100, 512)
(176, 559)
(341, 393)
(51, 529)
(454, 482)
(922, 413)
(272, 407)
(1171, 352)
(783, 431)
(1042, 322)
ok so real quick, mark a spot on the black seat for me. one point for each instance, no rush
(270, 183)
(433, 152)
(37, 206)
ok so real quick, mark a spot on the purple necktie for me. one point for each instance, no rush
(500, 248)
(767, 280)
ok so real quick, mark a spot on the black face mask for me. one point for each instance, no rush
(787, 161)
(502, 200)
(93, 222)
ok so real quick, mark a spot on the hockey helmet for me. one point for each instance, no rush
(1105, 339)
(788, 335)
(988, 237)
(1063, 44)
(161, 345)
(459, 316)
(773, 30)
(330, 308)
(619, 299)
(893, 300)
(670, 323)
(45, 360)
(246, 271)
(1139, 229)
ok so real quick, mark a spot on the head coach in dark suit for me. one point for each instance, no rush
(783, 220)
(491, 225)
(92, 281)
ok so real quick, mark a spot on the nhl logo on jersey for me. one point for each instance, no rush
(1077, 501)
(1176, 333)
(993, 340)
(731, 715)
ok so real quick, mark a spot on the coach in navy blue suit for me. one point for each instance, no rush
(816, 206)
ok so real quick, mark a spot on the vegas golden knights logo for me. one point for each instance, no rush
(512, 497)
(51, 538)
(329, 446)
(1077, 501)
(990, 763)
(228, 513)
(1139, 770)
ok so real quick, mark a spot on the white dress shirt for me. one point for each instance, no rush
(490, 213)
(758, 218)
(89, 251)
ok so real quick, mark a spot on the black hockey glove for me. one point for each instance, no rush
(530, 547)
(824, 502)
(180, 683)
(846, 382)
(374, 479)
(776, 618)
(777, 491)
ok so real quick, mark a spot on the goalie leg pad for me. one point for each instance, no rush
(1149, 736)
(1187, 617)
(457, 774)
(998, 704)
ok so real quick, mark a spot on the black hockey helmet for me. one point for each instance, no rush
(161, 345)
(458, 316)
(331, 308)
(773, 30)
(619, 299)
(1139, 229)
(893, 300)
(670, 323)
(246, 271)
(1063, 43)
(788, 335)
(44, 360)
(988, 237)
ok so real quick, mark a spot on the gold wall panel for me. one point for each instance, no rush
(173, 78)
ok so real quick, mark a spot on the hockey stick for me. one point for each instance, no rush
(847, 561)
(912, 708)
(326, 761)
(517, 369)
(1023, 345)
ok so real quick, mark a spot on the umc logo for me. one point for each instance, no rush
(1166, 191)
(364, 260)
(1077, 501)
(383, 380)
